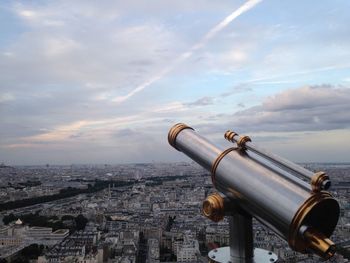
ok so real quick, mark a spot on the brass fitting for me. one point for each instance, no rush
(213, 207)
(301, 238)
(229, 135)
(241, 140)
(320, 181)
(319, 243)
(174, 131)
(217, 161)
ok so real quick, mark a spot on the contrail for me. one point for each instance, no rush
(298, 73)
(219, 27)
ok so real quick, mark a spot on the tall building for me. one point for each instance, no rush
(188, 250)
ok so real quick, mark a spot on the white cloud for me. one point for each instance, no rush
(6, 97)
(172, 107)
(310, 108)
(93, 44)
(28, 14)
(65, 61)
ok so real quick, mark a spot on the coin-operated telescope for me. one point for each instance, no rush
(255, 183)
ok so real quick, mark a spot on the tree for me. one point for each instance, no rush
(170, 223)
(8, 219)
(343, 251)
(67, 217)
(81, 222)
(32, 252)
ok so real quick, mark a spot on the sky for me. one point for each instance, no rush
(104, 81)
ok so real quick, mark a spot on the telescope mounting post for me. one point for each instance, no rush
(241, 249)
(241, 237)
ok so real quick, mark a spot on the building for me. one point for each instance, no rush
(153, 252)
(187, 250)
(15, 237)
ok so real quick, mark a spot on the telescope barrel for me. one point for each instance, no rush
(287, 175)
(319, 180)
(264, 191)
(200, 150)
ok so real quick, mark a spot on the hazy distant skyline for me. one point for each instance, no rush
(72, 77)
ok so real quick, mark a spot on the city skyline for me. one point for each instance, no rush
(85, 82)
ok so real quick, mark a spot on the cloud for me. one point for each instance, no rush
(236, 55)
(68, 60)
(240, 88)
(308, 97)
(6, 97)
(309, 108)
(177, 106)
(125, 133)
(204, 101)
(95, 46)
(171, 107)
(62, 63)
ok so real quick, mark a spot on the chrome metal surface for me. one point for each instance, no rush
(241, 238)
(264, 190)
(272, 166)
(299, 170)
(261, 191)
(222, 255)
(197, 148)
(271, 198)
(244, 142)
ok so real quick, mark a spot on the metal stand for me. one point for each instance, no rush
(241, 248)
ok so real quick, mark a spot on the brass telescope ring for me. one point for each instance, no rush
(174, 131)
(229, 135)
(218, 160)
(242, 141)
(317, 180)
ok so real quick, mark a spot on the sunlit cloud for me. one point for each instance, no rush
(5, 97)
(29, 14)
(184, 56)
(68, 66)
(172, 107)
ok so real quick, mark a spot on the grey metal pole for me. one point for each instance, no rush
(241, 238)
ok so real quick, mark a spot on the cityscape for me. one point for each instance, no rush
(89, 90)
(131, 213)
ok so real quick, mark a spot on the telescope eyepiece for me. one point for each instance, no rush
(213, 207)
(326, 184)
(320, 181)
(319, 243)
